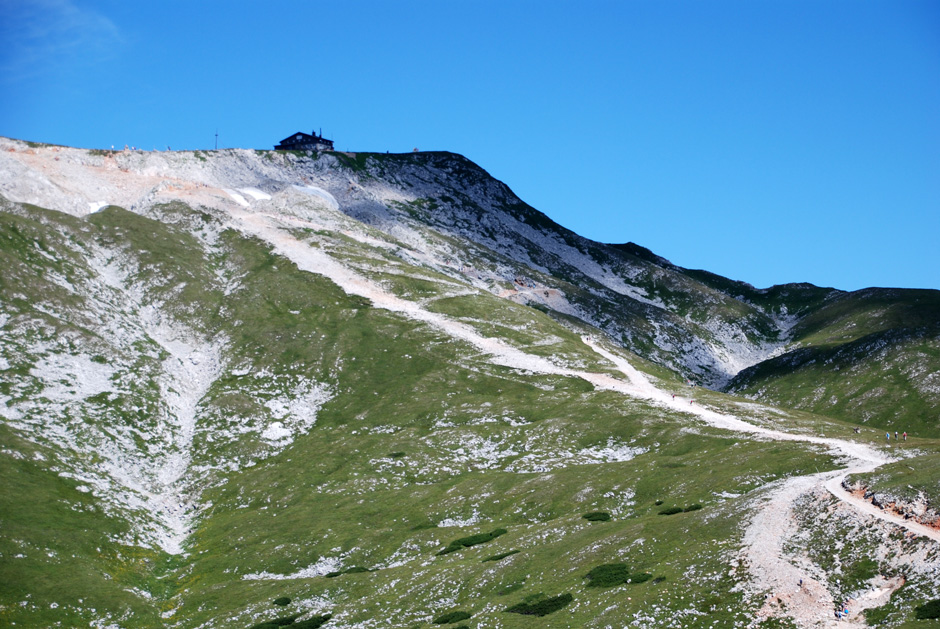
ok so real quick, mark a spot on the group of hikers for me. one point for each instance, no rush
(888, 436)
(842, 611)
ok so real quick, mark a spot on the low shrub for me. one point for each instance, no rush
(694, 507)
(500, 556)
(659, 502)
(282, 601)
(451, 617)
(276, 622)
(597, 516)
(608, 575)
(356, 570)
(671, 511)
(472, 540)
(613, 574)
(541, 607)
(312, 623)
(928, 610)
(353, 570)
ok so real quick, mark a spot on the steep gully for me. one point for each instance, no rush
(810, 605)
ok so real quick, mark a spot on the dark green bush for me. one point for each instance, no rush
(500, 556)
(450, 617)
(694, 507)
(356, 570)
(396, 455)
(282, 601)
(670, 511)
(353, 570)
(542, 607)
(640, 577)
(659, 502)
(608, 575)
(472, 540)
(928, 610)
(276, 622)
(312, 623)
(597, 516)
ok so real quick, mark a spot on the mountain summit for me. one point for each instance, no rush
(356, 389)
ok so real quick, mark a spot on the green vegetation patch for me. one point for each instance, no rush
(276, 622)
(597, 516)
(614, 574)
(671, 510)
(353, 570)
(929, 610)
(472, 540)
(501, 556)
(451, 617)
(542, 606)
(282, 601)
(313, 623)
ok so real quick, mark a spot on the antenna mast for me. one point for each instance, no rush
(217, 139)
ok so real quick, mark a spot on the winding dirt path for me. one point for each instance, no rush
(772, 521)
(797, 591)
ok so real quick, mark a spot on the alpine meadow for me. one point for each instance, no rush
(244, 388)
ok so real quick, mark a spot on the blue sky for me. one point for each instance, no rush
(767, 141)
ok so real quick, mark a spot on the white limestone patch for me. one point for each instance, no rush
(68, 378)
(473, 518)
(323, 566)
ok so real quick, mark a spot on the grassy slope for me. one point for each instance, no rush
(869, 357)
(338, 491)
(401, 446)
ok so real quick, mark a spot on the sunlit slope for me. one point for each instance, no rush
(417, 441)
(871, 357)
(235, 384)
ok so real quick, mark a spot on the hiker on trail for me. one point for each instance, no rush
(905, 435)
(895, 435)
(888, 436)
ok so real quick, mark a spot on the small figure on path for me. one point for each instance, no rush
(888, 437)
(895, 435)
(905, 435)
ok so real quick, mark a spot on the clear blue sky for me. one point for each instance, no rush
(766, 141)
